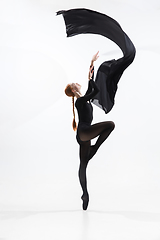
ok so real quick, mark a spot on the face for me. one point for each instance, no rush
(75, 87)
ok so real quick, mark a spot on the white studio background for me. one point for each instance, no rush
(38, 150)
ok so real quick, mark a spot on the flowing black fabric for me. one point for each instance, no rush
(103, 90)
(82, 21)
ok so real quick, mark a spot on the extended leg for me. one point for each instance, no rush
(87, 152)
(84, 152)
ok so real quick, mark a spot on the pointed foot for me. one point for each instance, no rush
(85, 199)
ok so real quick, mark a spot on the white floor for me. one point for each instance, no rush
(40, 210)
(80, 225)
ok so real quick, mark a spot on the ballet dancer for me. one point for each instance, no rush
(102, 91)
(86, 131)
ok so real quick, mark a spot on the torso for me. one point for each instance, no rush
(85, 112)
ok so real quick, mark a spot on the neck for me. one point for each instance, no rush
(77, 94)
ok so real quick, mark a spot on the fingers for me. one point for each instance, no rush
(97, 53)
(95, 57)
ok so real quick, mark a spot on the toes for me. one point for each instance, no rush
(85, 204)
(85, 199)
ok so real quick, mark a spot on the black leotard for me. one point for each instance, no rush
(86, 132)
(85, 109)
(82, 21)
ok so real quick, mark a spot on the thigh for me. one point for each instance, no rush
(95, 130)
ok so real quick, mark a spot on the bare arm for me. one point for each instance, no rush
(94, 58)
(91, 69)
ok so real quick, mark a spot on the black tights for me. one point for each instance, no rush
(87, 151)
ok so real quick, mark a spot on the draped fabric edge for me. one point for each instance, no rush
(86, 21)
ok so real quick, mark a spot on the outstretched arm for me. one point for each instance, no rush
(91, 69)
(94, 58)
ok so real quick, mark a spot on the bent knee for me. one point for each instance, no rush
(112, 125)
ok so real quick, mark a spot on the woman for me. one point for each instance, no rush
(86, 131)
(102, 91)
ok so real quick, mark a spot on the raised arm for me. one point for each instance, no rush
(92, 87)
(91, 92)
(91, 69)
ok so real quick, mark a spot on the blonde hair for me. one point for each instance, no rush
(69, 93)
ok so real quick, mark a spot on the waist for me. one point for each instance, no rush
(80, 124)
